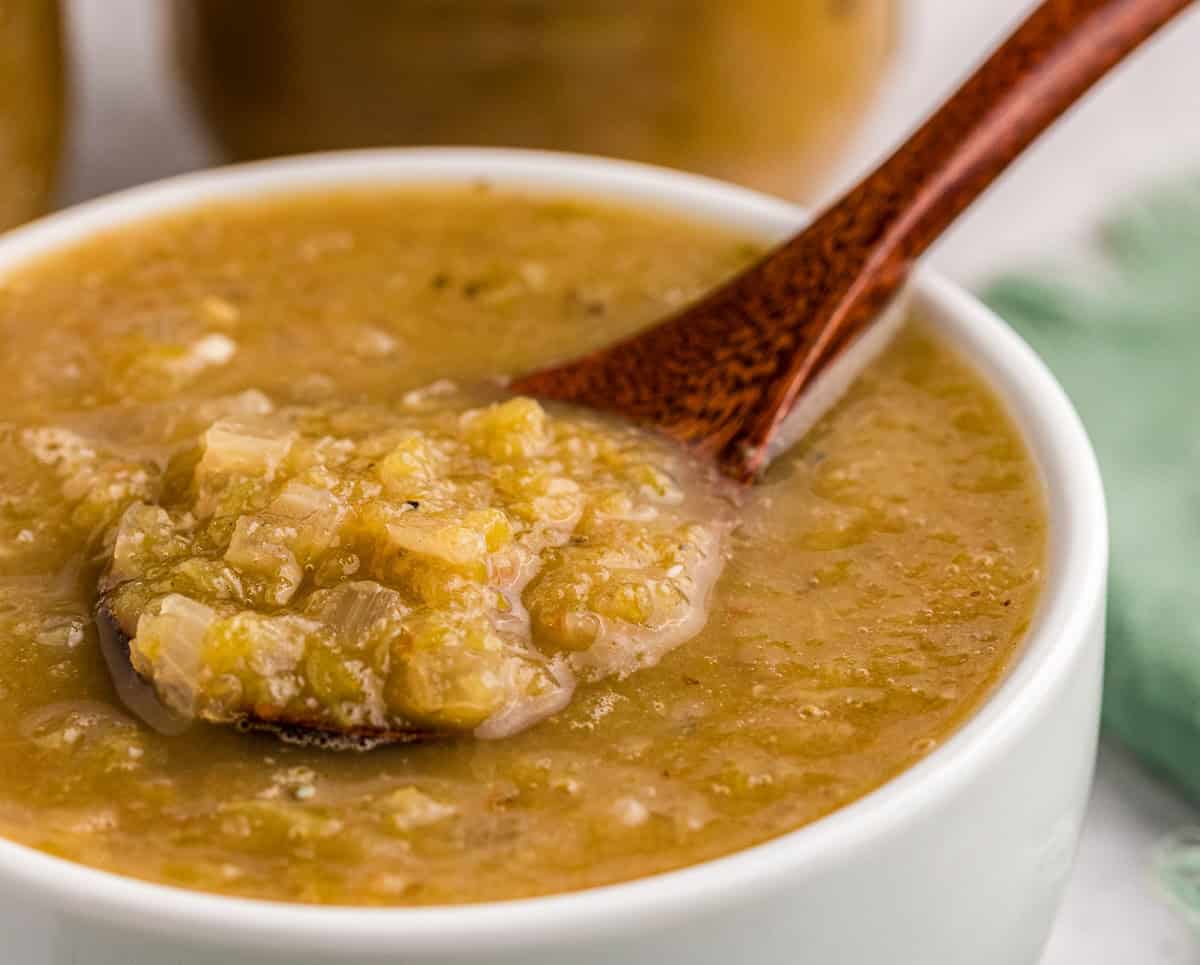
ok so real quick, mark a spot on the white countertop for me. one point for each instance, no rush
(1145, 121)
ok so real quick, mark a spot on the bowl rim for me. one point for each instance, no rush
(1076, 569)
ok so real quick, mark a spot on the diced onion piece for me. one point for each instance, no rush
(168, 648)
(249, 448)
(317, 514)
(145, 535)
(360, 614)
(259, 548)
(438, 539)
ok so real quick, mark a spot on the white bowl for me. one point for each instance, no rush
(962, 858)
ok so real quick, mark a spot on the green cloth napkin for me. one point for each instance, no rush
(1177, 867)
(1123, 336)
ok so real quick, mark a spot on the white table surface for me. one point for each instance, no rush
(130, 126)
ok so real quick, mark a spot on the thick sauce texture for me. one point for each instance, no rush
(875, 586)
(428, 568)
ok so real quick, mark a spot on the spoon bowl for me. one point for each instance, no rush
(138, 694)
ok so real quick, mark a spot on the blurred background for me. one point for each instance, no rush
(797, 97)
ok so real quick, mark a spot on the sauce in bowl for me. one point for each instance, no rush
(875, 585)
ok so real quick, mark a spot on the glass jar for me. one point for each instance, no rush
(759, 91)
(31, 107)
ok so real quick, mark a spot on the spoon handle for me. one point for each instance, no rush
(724, 373)
(874, 235)
(1027, 83)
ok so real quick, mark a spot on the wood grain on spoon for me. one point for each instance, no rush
(723, 373)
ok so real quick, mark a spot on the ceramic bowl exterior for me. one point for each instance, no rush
(962, 858)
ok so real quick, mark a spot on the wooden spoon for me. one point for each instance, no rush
(723, 374)
(788, 334)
